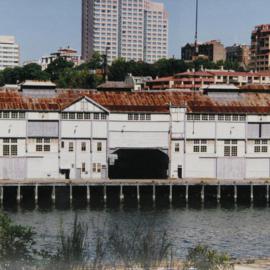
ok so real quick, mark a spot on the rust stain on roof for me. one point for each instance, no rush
(158, 102)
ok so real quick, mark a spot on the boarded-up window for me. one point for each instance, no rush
(253, 130)
(266, 130)
(43, 129)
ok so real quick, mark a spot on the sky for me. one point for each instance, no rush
(42, 26)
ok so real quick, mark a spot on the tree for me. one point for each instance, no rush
(16, 244)
(118, 70)
(34, 72)
(203, 258)
(13, 75)
(57, 67)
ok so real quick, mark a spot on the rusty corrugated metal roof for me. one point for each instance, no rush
(140, 101)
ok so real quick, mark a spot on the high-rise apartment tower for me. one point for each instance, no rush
(131, 29)
(9, 52)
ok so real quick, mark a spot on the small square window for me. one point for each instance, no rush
(5, 150)
(136, 116)
(130, 116)
(212, 117)
(22, 115)
(190, 117)
(96, 116)
(79, 116)
(235, 118)
(227, 151)
(196, 141)
(228, 117)
(203, 148)
(64, 115)
(142, 116)
(47, 140)
(14, 115)
(47, 148)
(242, 118)
(196, 148)
(62, 144)
(197, 117)
(39, 140)
(87, 115)
(221, 117)
(205, 117)
(5, 140)
(5, 114)
(39, 148)
(103, 116)
(177, 147)
(148, 117)
(13, 140)
(264, 149)
(71, 116)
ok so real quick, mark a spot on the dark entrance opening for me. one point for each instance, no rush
(139, 164)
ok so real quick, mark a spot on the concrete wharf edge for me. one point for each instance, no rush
(134, 182)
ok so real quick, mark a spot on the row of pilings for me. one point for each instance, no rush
(149, 194)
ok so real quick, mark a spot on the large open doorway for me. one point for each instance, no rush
(139, 164)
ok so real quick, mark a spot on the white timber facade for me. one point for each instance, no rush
(84, 139)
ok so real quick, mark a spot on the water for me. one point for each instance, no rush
(241, 231)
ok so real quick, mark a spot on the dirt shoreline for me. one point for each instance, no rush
(260, 264)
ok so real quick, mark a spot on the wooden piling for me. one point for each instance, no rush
(171, 194)
(235, 193)
(53, 194)
(18, 194)
(121, 194)
(202, 193)
(105, 193)
(36, 194)
(218, 193)
(251, 193)
(186, 197)
(138, 194)
(154, 194)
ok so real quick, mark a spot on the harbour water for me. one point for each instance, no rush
(242, 231)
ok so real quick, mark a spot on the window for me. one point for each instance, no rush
(10, 147)
(83, 167)
(70, 147)
(230, 148)
(71, 115)
(43, 144)
(99, 146)
(103, 116)
(139, 116)
(87, 115)
(200, 146)
(14, 115)
(204, 117)
(221, 117)
(96, 116)
(176, 147)
(83, 146)
(260, 146)
(62, 144)
(96, 167)
(5, 114)
(64, 115)
(79, 116)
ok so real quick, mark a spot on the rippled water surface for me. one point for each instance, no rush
(240, 231)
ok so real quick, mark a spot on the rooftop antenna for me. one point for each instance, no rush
(196, 29)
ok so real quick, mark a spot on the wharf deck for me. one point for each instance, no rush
(134, 182)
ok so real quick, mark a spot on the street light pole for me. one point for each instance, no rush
(196, 30)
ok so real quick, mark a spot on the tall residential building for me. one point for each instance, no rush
(260, 48)
(9, 52)
(239, 53)
(212, 50)
(131, 29)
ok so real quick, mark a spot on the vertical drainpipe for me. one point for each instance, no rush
(107, 146)
(26, 143)
(215, 146)
(185, 141)
(170, 142)
(59, 142)
(91, 146)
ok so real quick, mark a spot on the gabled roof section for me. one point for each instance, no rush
(88, 99)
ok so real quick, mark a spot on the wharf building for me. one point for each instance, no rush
(131, 29)
(9, 52)
(80, 134)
